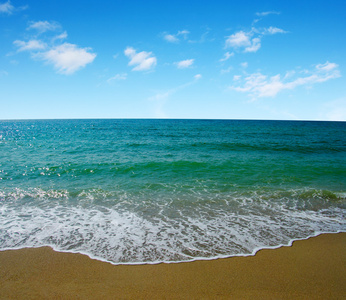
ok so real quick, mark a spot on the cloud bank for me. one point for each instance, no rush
(250, 41)
(258, 85)
(66, 58)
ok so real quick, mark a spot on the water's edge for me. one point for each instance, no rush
(253, 253)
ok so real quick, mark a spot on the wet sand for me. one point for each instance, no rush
(310, 269)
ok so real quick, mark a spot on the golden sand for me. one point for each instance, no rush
(310, 269)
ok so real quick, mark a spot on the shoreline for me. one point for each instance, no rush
(253, 253)
(310, 268)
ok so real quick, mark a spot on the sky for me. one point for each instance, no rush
(283, 60)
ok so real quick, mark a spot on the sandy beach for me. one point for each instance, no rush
(310, 269)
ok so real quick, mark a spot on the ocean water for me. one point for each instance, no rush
(148, 191)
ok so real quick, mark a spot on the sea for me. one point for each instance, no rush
(131, 191)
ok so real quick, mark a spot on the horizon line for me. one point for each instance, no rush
(182, 119)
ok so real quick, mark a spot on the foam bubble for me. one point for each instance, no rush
(143, 231)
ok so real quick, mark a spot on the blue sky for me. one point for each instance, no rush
(173, 59)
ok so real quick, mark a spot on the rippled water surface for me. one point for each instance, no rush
(134, 191)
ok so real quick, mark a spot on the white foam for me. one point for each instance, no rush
(120, 236)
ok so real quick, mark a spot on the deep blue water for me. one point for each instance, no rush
(133, 191)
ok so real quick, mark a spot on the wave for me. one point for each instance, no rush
(128, 228)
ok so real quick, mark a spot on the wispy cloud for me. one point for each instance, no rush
(9, 9)
(258, 85)
(266, 13)
(175, 38)
(61, 36)
(171, 38)
(236, 77)
(244, 64)
(43, 26)
(118, 77)
(225, 71)
(243, 40)
(142, 61)
(250, 41)
(226, 56)
(185, 63)
(204, 37)
(161, 98)
(68, 58)
(261, 15)
(6, 8)
(273, 30)
(29, 45)
(164, 95)
(238, 39)
(254, 46)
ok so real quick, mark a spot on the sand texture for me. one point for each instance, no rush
(310, 269)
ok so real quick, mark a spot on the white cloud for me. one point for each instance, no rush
(224, 71)
(197, 76)
(289, 74)
(273, 30)
(171, 38)
(266, 13)
(61, 36)
(259, 85)
(175, 38)
(3, 73)
(226, 56)
(250, 41)
(142, 61)
(255, 45)
(43, 26)
(244, 64)
(327, 66)
(238, 39)
(117, 77)
(236, 77)
(184, 33)
(30, 45)
(68, 58)
(243, 39)
(185, 63)
(6, 8)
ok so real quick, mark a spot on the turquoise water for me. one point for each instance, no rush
(143, 191)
